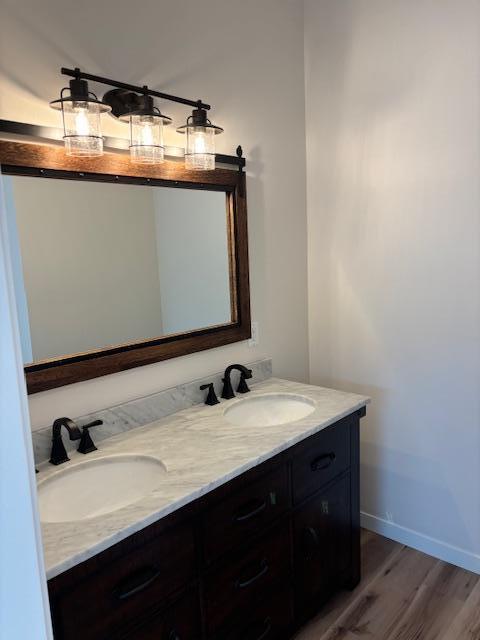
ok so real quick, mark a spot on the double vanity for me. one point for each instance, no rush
(166, 518)
(232, 521)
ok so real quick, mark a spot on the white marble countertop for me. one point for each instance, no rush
(200, 451)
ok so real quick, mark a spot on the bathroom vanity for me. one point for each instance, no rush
(253, 556)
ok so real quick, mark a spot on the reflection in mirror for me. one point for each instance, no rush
(100, 264)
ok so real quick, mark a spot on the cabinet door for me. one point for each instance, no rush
(270, 619)
(127, 589)
(322, 544)
(234, 587)
(245, 512)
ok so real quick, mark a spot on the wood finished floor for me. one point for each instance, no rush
(404, 595)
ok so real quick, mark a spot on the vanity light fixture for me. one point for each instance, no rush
(200, 141)
(81, 110)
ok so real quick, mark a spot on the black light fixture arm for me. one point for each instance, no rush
(80, 75)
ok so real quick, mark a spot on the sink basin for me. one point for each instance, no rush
(269, 409)
(95, 487)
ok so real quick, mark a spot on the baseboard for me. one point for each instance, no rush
(426, 544)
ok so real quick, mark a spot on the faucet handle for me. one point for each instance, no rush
(211, 396)
(95, 423)
(86, 443)
(242, 385)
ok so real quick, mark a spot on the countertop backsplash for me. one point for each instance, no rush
(142, 411)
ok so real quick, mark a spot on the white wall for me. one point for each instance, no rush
(392, 104)
(193, 264)
(22, 574)
(17, 271)
(246, 58)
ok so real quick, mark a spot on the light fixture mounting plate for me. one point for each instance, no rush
(122, 101)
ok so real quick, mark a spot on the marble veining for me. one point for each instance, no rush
(136, 413)
(201, 450)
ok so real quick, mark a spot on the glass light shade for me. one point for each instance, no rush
(82, 128)
(200, 147)
(146, 139)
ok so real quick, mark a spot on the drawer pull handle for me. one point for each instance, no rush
(322, 462)
(267, 627)
(242, 584)
(255, 511)
(136, 582)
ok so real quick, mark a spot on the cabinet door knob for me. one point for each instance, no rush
(311, 542)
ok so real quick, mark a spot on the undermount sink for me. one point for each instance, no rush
(269, 409)
(95, 487)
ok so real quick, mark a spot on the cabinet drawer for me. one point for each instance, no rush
(235, 588)
(245, 512)
(121, 591)
(325, 456)
(271, 619)
(179, 621)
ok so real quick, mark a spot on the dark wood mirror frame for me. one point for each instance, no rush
(50, 161)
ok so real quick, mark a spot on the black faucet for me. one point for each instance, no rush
(58, 454)
(245, 374)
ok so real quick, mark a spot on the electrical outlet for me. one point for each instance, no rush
(254, 340)
(389, 516)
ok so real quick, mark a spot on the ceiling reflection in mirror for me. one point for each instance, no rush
(98, 265)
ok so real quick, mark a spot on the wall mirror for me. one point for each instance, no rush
(117, 265)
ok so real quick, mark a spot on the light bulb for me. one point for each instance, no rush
(81, 121)
(199, 145)
(146, 134)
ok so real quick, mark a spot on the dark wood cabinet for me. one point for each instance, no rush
(245, 512)
(124, 589)
(179, 620)
(270, 618)
(236, 585)
(326, 457)
(322, 545)
(251, 560)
